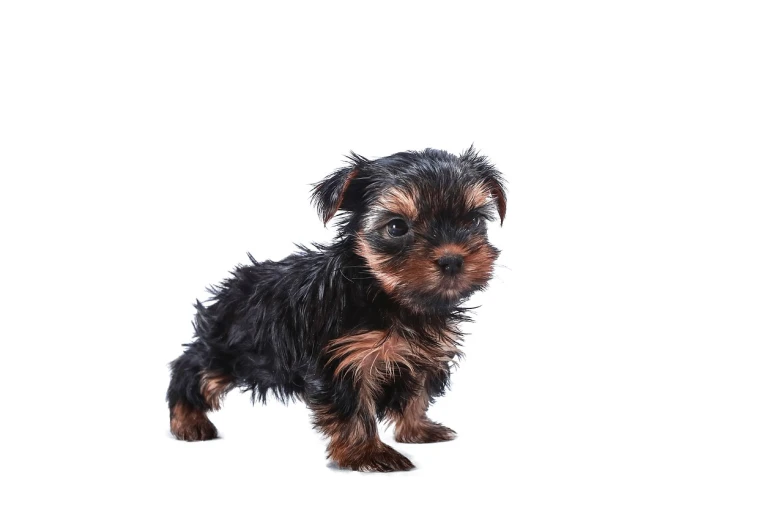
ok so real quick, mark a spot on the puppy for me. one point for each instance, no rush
(364, 329)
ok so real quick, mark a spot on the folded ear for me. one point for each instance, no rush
(498, 192)
(339, 190)
(491, 177)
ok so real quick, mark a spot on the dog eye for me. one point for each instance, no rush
(476, 221)
(397, 228)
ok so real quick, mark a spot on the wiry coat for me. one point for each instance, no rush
(360, 329)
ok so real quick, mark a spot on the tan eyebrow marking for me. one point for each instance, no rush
(401, 202)
(477, 196)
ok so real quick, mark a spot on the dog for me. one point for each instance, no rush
(364, 329)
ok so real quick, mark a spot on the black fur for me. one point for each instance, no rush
(267, 327)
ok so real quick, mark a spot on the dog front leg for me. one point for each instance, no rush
(354, 442)
(413, 426)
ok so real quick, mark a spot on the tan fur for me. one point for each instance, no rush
(365, 353)
(420, 270)
(414, 426)
(477, 195)
(214, 386)
(481, 194)
(188, 423)
(478, 263)
(449, 249)
(371, 358)
(347, 438)
(389, 281)
(354, 442)
(400, 202)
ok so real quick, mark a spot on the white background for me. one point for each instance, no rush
(626, 363)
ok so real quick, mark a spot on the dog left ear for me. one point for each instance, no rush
(498, 192)
(340, 190)
(491, 177)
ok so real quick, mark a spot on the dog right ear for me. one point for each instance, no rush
(340, 190)
(492, 178)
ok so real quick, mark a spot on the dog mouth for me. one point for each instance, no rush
(448, 292)
(453, 286)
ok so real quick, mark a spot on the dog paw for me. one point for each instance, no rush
(425, 433)
(381, 458)
(192, 425)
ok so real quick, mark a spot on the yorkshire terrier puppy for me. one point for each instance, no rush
(362, 330)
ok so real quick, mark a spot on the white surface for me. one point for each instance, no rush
(626, 364)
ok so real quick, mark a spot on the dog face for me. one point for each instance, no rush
(419, 220)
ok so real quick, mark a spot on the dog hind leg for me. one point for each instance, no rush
(193, 391)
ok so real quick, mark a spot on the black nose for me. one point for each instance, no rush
(451, 264)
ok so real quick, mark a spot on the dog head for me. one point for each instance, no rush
(419, 220)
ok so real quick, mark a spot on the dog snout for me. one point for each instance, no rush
(451, 264)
